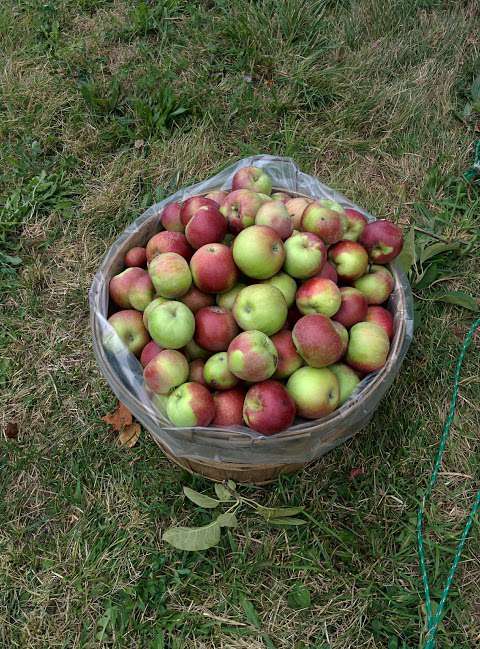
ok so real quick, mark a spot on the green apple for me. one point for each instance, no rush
(286, 284)
(258, 252)
(216, 372)
(171, 325)
(368, 347)
(315, 391)
(226, 300)
(347, 378)
(261, 307)
(191, 405)
(305, 255)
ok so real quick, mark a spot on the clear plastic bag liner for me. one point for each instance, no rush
(305, 440)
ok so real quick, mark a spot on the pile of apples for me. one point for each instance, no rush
(252, 307)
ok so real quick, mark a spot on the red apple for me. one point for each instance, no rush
(383, 241)
(128, 326)
(170, 218)
(368, 347)
(382, 317)
(132, 288)
(317, 340)
(296, 207)
(318, 295)
(353, 308)
(166, 371)
(215, 328)
(150, 350)
(207, 225)
(240, 208)
(376, 285)
(328, 272)
(356, 223)
(350, 259)
(288, 358)
(136, 257)
(191, 405)
(196, 371)
(253, 178)
(268, 408)
(192, 204)
(343, 333)
(213, 268)
(275, 215)
(168, 242)
(218, 196)
(195, 299)
(252, 356)
(228, 407)
(326, 219)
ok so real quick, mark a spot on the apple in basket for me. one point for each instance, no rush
(240, 208)
(326, 219)
(295, 208)
(383, 241)
(170, 218)
(315, 391)
(168, 242)
(305, 255)
(196, 371)
(286, 284)
(167, 370)
(252, 356)
(258, 252)
(171, 325)
(268, 407)
(382, 317)
(215, 328)
(261, 307)
(132, 289)
(368, 347)
(136, 257)
(213, 268)
(170, 275)
(216, 373)
(356, 223)
(229, 407)
(127, 326)
(353, 308)
(192, 204)
(252, 178)
(317, 341)
(376, 285)
(191, 404)
(289, 360)
(275, 215)
(319, 295)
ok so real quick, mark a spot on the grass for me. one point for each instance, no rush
(108, 105)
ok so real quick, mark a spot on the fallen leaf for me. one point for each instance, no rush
(11, 430)
(356, 473)
(119, 418)
(129, 435)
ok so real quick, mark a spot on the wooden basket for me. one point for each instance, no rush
(338, 425)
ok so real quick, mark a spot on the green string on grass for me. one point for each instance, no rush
(472, 175)
(433, 620)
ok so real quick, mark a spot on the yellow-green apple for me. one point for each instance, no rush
(240, 208)
(326, 219)
(228, 407)
(127, 325)
(264, 197)
(196, 371)
(328, 272)
(315, 391)
(191, 404)
(227, 300)
(382, 317)
(305, 255)
(150, 307)
(296, 207)
(383, 241)
(213, 268)
(353, 308)
(193, 351)
(252, 178)
(166, 371)
(132, 289)
(171, 325)
(317, 341)
(168, 242)
(268, 408)
(289, 360)
(136, 257)
(192, 204)
(215, 328)
(216, 372)
(170, 218)
(275, 215)
(150, 350)
(261, 307)
(252, 356)
(206, 226)
(286, 284)
(281, 196)
(376, 285)
(218, 195)
(170, 275)
(343, 333)
(350, 259)
(356, 223)
(318, 295)
(258, 252)
(368, 347)
(196, 299)
(347, 378)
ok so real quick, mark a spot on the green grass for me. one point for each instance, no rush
(106, 106)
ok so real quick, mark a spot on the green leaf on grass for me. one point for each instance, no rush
(459, 298)
(8, 259)
(200, 499)
(437, 249)
(227, 520)
(193, 539)
(287, 522)
(407, 257)
(223, 494)
(250, 612)
(475, 90)
(231, 485)
(270, 513)
(299, 596)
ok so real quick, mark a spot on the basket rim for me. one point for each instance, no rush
(243, 434)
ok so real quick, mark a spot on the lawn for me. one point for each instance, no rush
(107, 106)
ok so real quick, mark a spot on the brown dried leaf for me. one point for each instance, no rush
(11, 430)
(119, 418)
(356, 473)
(129, 435)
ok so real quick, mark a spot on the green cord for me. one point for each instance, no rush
(472, 175)
(434, 620)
